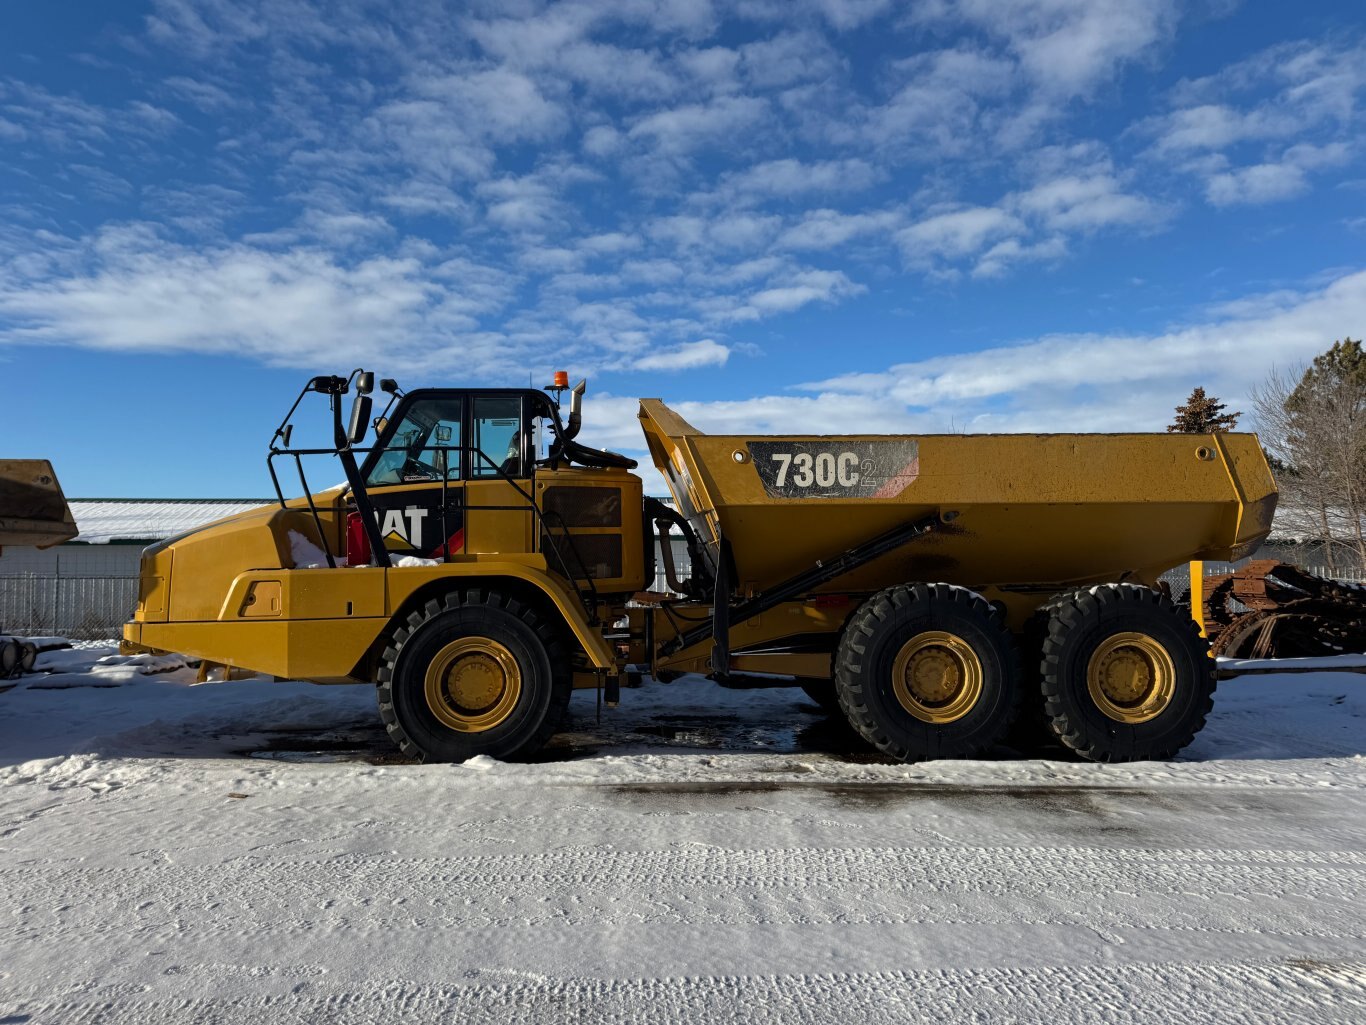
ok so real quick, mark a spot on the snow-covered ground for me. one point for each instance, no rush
(256, 852)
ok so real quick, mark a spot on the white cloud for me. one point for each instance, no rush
(1003, 255)
(798, 290)
(556, 44)
(689, 356)
(787, 58)
(425, 136)
(425, 199)
(848, 14)
(1214, 127)
(601, 141)
(788, 177)
(609, 243)
(68, 122)
(957, 234)
(1116, 381)
(1033, 224)
(682, 129)
(205, 96)
(827, 229)
(1077, 203)
(1274, 180)
(713, 68)
(341, 229)
(1066, 46)
(1292, 91)
(527, 204)
(938, 111)
(746, 232)
(499, 105)
(299, 307)
(1260, 183)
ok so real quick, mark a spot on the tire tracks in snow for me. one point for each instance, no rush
(1288, 892)
(1285, 993)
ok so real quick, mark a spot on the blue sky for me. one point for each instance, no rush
(807, 215)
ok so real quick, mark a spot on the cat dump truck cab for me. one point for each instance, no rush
(941, 592)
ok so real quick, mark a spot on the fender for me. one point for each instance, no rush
(403, 582)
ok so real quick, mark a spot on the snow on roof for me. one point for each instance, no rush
(102, 520)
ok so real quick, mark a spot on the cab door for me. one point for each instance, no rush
(416, 484)
(499, 508)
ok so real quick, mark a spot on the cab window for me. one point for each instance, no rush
(425, 446)
(498, 444)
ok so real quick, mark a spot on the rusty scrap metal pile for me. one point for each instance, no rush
(1270, 609)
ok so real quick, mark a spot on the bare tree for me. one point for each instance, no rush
(1312, 422)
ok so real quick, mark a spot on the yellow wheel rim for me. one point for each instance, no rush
(937, 677)
(1131, 678)
(473, 684)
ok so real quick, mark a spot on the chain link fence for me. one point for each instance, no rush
(82, 608)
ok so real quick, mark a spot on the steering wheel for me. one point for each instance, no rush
(413, 467)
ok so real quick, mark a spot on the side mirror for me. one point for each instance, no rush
(360, 416)
(365, 383)
(389, 385)
(285, 435)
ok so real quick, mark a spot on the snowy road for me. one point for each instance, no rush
(252, 852)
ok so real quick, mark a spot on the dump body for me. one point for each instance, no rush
(33, 510)
(1031, 513)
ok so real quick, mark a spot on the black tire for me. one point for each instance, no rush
(887, 624)
(1157, 727)
(822, 692)
(1032, 733)
(542, 665)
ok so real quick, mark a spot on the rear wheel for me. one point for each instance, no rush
(1125, 675)
(476, 673)
(928, 671)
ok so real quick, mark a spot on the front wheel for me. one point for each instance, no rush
(928, 671)
(1125, 675)
(477, 673)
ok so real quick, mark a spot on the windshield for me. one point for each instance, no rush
(417, 449)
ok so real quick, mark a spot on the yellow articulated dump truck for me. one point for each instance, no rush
(480, 562)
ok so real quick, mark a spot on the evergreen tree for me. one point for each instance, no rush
(1335, 381)
(1202, 414)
